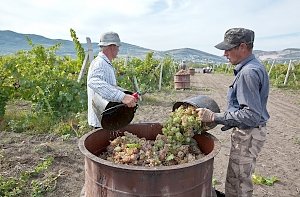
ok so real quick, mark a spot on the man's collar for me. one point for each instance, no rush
(239, 66)
(102, 55)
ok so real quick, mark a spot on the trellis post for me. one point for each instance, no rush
(273, 63)
(88, 58)
(160, 76)
(288, 72)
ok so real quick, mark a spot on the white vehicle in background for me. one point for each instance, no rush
(207, 69)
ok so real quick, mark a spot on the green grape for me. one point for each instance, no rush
(175, 145)
(176, 120)
(188, 139)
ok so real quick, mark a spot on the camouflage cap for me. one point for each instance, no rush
(235, 36)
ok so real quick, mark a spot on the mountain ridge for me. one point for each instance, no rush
(11, 42)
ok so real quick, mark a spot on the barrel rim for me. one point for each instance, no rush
(88, 154)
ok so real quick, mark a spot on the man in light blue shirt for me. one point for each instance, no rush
(101, 77)
(246, 113)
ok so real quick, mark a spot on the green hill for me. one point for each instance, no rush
(11, 42)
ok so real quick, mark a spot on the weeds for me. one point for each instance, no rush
(33, 183)
(261, 180)
(297, 140)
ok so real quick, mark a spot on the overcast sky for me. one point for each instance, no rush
(158, 24)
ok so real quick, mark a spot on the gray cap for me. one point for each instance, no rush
(235, 36)
(109, 38)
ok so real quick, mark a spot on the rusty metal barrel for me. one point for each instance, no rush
(182, 81)
(107, 179)
(192, 71)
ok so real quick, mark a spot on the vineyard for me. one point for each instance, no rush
(48, 84)
(43, 113)
(283, 75)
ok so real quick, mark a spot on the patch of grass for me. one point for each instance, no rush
(75, 125)
(215, 182)
(261, 180)
(29, 122)
(297, 140)
(20, 118)
(35, 182)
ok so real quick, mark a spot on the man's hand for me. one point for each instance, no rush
(205, 115)
(129, 100)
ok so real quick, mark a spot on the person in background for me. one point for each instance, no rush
(101, 78)
(246, 113)
(183, 65)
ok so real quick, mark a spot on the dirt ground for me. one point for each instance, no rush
(280, 156)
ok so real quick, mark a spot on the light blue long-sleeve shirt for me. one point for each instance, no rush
(247, 96)
(101, 79)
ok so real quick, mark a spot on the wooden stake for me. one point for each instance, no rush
(88, 56)
(160, 76)
(288, 73)
(271, 67)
